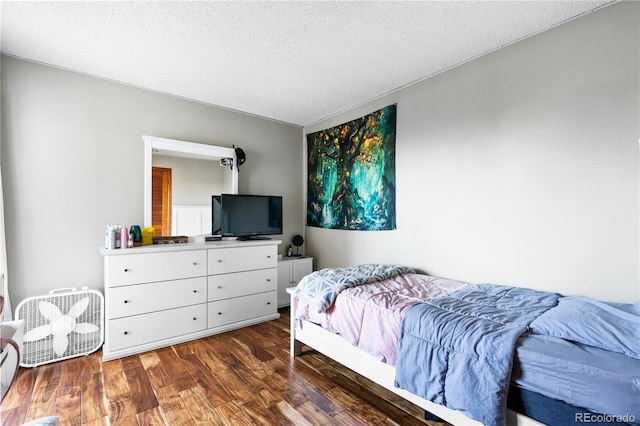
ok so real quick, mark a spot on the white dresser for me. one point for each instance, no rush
(159, 295)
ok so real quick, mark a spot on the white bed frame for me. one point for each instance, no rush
(338, 349)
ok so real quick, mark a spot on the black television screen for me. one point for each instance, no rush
(247, 216)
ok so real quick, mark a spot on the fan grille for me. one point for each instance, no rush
(41, 351)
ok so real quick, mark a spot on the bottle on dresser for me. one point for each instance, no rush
(124, 237)
(110, 238)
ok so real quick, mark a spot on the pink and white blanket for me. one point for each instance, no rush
(369, 316)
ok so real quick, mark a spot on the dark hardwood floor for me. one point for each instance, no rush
(243, 377)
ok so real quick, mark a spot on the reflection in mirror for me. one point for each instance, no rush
(180, 178)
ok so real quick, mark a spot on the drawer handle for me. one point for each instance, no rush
(268, 280)
(126, 301)
(220, 286)
(126, 332)
(126, 270)
(195, 263)
(195, 319)
(268, 303)
(268, 256)
(195, 291)
(219, 260)
(219, 313)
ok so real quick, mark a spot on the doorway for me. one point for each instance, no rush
(161, 200)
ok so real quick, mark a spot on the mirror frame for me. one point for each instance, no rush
(184, 148)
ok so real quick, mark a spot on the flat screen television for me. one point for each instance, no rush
(246, 216)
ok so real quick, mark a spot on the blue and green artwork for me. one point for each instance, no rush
(352, 174)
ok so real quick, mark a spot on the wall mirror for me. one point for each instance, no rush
(179, 179)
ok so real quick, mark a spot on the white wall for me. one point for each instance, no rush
(520, 167)
(193, 181)
(72, 162)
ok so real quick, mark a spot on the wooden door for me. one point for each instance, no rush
(161, 200)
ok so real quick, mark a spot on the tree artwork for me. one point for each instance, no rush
(352, 183)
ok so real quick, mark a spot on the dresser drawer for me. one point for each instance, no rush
(143, 298)
(140, 329)
(226, 286)
(238, 259)
(151, 267)
(228, 311)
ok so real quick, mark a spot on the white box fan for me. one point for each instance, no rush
(66, 323)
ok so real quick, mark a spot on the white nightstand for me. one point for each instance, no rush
(290, 272)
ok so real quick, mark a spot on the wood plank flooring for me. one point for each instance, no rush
(243, 377)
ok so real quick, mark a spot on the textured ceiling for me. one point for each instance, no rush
(295, 62)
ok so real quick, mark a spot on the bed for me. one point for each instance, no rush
(362, 320)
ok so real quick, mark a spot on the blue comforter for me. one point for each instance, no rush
(320, 288)
(458, 350)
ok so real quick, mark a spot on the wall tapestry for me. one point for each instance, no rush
(352, 174)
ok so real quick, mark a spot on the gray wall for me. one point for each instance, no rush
(72, 162)
(520, 167)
